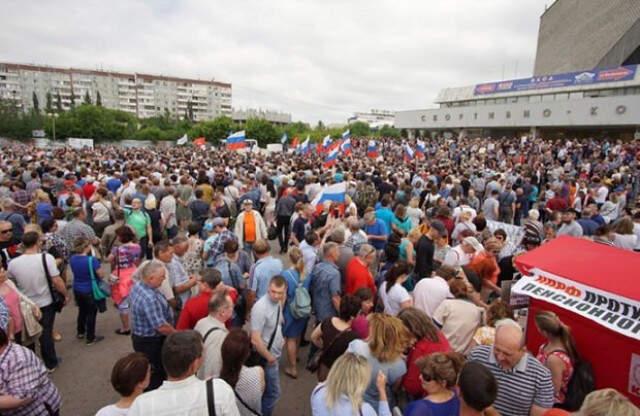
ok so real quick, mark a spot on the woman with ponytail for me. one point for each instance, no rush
(558, 354)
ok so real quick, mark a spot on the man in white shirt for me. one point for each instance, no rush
(183, 393)
(430, 292)
(462, 254)
(213, 333)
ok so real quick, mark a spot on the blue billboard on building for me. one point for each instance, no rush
(570, 79)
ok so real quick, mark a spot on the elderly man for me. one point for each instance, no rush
(180, 281)
(183, 393)
(357, 273)
(376, 230)
(250, 226)
(152, 318)
(524, 384)
(15, 218)
(569, 224)
(213, 331)
(78, 228)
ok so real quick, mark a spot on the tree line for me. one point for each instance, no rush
(95, 121)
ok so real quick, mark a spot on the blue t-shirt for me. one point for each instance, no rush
(377, 228)
(113, 185)
(426, 407)
(81, 276)
(386, 215)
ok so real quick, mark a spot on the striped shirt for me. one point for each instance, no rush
(527, 384)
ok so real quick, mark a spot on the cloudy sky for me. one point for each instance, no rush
(319, 60)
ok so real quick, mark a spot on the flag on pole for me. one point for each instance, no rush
(331, 159)
(332, 193)
(346, 134)
(200, 141)
(304, 147)
(345, 146)
(295, 142)
(236, 140)
(372, 149)
(408, 153)
(284, 138)
(326, 143)
(420, 149)
(182, 140)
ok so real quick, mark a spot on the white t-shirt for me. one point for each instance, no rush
(456, 257)
(601, 194)
(101, 211)
(429, 293)
(625, 241)
(112, 410)
(28, 273)
(392, 300)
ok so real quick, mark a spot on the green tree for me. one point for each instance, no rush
(36, 103)
(49, 105)
(59, 102)
(359, 129)
(404, 134)
(262, 131)
(87, 98)
(388, 131)
(98, 99)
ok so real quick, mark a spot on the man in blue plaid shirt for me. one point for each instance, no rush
(152, 318)
(223, 234)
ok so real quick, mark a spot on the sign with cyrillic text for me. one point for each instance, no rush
(618, 313)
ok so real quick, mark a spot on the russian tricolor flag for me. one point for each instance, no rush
(331, 159)
(333, 193)
(372, 149)
(304, 147)
(326, 143)
(346, 135)
(345, 147)
(236, 141)
(420, 149)
(408, 153)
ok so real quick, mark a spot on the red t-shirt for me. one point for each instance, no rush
(424, 347)
(357, 275)
(197, 308)
(88, 189)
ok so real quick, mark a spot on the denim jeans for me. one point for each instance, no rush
(87, 311)
(272, 388)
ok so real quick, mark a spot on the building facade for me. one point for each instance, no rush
(143, 95)
(565, 95)
(576, 35)
(374, 118)
(275, 117)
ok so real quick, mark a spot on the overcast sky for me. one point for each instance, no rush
(319, 60)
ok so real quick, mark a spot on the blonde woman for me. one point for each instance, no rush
(384, 349)
(293, 328)
(342, 393)
(607, 402)
(414, 213)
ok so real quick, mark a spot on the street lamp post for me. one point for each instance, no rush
(53, 119)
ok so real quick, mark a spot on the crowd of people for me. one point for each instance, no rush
(219, 263)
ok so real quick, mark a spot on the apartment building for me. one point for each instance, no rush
(143, 95)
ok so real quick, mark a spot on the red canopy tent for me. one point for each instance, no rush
(577, 271)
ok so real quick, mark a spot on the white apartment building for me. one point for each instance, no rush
(374, 118)
(143, 95)
(275, 117)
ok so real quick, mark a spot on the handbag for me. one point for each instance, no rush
(30, 313)
(99, 288)
(314, 361)
(255, 358)
(57, 298)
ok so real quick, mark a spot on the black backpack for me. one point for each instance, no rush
(582, 382)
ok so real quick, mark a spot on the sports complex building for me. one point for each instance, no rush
(586, 82)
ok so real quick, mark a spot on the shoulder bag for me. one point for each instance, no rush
(30, 312)
(56, 297)
(99, 288)
(255, 358)
(211, 407)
